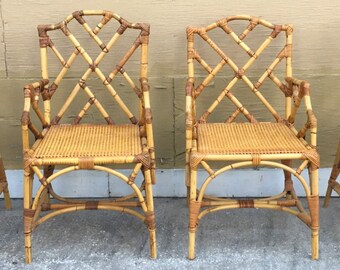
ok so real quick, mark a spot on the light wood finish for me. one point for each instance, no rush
(332, 183)
(255, 144)
(88, 146)
(4, 185)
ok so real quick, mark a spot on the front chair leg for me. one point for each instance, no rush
(150, 214)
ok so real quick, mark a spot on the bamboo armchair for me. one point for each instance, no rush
(332, 183)
(4, 185)
(89, 146)
(255, 144)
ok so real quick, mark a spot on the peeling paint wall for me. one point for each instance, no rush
(316, 57)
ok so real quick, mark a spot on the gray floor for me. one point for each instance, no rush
(237, 239)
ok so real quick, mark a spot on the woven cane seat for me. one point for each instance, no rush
(246, 138)
(89, 141)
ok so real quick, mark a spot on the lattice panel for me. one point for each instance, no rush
(92, 61)
(227, 63)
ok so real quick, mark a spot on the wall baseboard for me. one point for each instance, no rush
(170, 183)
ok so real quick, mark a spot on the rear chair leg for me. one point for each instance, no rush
(288, 185)
(4, 185)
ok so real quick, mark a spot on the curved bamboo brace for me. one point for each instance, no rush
(73, 168)
(121, 199)
(256, 205)
(77, 208)
(249, 163)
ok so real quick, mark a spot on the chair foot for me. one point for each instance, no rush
(28, 249)
(315, 244)
(8, 203)
(153, 247)
(191, 248)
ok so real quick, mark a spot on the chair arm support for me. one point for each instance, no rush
(145, 89)
(29, 98)
(303, 93)
(304, 86)
(26, 124)
(148, 126)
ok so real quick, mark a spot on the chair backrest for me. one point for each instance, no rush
(93, 65)
(197, 58)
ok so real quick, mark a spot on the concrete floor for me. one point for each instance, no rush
(236, 239)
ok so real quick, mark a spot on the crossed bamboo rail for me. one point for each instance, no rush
(250, 144)
(88, 146)
(4, 185)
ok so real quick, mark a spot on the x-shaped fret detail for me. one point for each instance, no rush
(93, 64)
(239, 72)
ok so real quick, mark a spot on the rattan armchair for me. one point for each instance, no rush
(254, 143)
(71, 145)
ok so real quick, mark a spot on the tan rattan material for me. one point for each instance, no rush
(254, 144)
(4, 185)
(89, 146)
(67, 141)
(246, 138)
(332, 183)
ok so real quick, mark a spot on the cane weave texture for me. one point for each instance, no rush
(246, 138)
(90, 141)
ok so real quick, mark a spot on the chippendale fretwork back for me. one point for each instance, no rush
(142, 33)
(239, 71)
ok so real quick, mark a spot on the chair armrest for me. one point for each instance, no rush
(303, 93)
(303, 85)
(29, 90)
(29, 98)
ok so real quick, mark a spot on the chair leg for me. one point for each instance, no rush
(8, 203)
(150, 214)
(48, 171)
(194, 208)
(288, 184)
(332, 184)
(313, 203)
(4, 186)
(28, 213)
(28, 248)
(327, 196)
(187, 177)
